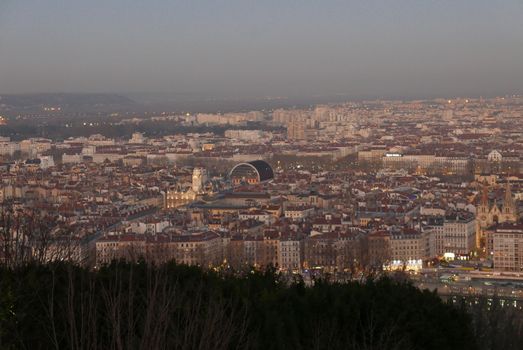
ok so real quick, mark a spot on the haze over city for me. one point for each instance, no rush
(246, 49)
(261, 174)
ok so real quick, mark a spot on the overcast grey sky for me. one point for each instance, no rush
(263, 48)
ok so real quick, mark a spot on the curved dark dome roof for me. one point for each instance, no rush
(263, 170)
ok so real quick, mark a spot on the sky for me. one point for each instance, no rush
(243, 48)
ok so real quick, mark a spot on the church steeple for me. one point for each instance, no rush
(495, 208)
(509, 207)
(484, 195)
(484, 205)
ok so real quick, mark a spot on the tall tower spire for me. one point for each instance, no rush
(484, 205)
(483, 219)
(508, 192)
(509, 207)
(484, 195)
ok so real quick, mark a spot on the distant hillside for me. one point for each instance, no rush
(64, 101)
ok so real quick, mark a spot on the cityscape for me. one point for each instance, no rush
(322, 221)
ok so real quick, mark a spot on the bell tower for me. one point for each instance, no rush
(483, 219)
(508, 211)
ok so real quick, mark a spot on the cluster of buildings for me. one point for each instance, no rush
(337, 188)
(358, 226)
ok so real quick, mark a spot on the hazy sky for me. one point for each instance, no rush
(263, 48)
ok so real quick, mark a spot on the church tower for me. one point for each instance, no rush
(199, 178)
(484, 205)
(483, 219)
(495, 213)
(508, 212)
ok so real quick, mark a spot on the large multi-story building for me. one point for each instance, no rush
(333, 251)
(296, 130)
(192, 248)
(290, 252)
(455, 233)
(507, 240)
(407, 245)
(379, 248)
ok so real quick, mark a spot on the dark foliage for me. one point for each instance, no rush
(497, 323)
(138, 306)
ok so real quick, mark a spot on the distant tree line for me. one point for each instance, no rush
(54, 129)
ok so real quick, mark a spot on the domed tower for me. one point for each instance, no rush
(199, 178)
